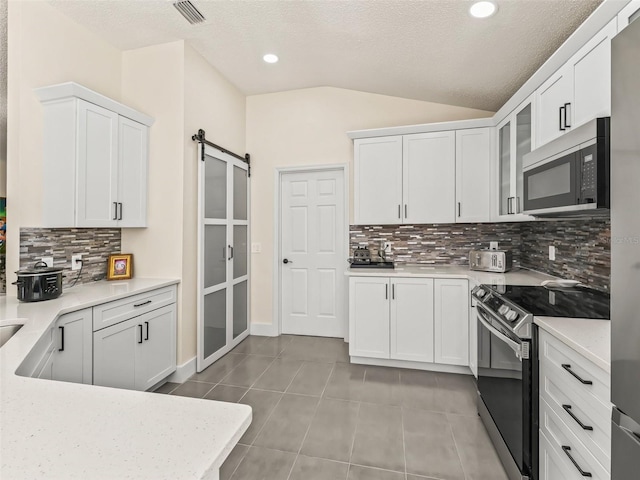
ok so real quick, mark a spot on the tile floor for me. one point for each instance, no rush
(317, 417)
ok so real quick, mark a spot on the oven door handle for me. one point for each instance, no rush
(515, 346)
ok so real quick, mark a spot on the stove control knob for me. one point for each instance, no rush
(503, 310)
(512, 315)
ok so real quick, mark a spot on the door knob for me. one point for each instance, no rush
(285, 261)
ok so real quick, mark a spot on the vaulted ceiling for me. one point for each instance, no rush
(429, 50)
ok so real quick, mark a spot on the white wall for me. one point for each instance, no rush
(152, 82)
(308, 127)
(3, 98)
(45, 48)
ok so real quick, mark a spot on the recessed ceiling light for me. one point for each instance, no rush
(270, 58)
(483, 9)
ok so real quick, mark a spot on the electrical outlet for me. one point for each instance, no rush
(552, 252)
(76, 261)
(387, 247)
(493, 245)
(256, 248)
(48, 261)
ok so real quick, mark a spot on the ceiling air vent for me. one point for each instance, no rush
(189, 11)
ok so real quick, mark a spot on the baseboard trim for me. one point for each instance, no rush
(183, 372)
(264, 329)
(432, 367)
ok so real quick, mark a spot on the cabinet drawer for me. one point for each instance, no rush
(565, 400)
(558, 435)
(575, 367)
(115, 312)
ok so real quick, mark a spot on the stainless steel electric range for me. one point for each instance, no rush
(508, 362)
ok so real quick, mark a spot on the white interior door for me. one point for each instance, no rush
(223, 253)
(312, 253)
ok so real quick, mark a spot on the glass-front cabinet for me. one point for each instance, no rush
(515, 140)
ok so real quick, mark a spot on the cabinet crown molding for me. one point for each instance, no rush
(74, 90)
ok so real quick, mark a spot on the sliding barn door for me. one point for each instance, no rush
(223, 254)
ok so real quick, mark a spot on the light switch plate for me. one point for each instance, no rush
(493, 245)
(256, 248)
(552, 252)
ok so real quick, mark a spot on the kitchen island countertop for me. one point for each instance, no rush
(58, 430)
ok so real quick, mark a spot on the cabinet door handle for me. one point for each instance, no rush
(141, 304)
(146, 324)
(386, 292)
(510, 206)
(459, 209)
(561, 118)
(567, 367)
(393, 291)
(567, 408)
(61, 349)
(566, 450)
(230, 248)
(120, 216)
(115, 210)
(567, 114)
(399, 214)
(406, 212)
(140, 331)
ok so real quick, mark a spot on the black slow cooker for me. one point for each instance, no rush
(39, 283)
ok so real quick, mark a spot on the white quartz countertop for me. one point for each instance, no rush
(591, 338)
(517, 276)
(58, 430)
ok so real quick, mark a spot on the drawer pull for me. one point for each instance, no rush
(141, 304)
(567, 408)
(567, 367)
(566, 450)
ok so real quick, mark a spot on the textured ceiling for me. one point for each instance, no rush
(428, 50)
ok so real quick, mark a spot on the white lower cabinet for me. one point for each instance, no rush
(369, 317)
(575, 414)
(451, 321)
(137, 353)
(73, 347)
(412, 319)
(402, 319)
(68, 354)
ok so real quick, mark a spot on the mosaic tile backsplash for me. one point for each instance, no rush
(583, 249)
(442, 244)
(95, 245)
(582, 246)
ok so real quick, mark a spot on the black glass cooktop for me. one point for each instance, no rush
(577, 302)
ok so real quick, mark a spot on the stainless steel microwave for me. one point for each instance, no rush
(570, 175)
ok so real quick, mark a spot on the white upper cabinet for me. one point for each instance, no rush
(628, 14)
(515, 140)
(97, 166)
(428, 161)
(579, 91)
(592, 77)
(554, 99)
(378, 181)
(405, 179)
(132, 173)
(94, 160)
(473, 175)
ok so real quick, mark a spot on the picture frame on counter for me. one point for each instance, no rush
(120, 266)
